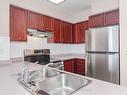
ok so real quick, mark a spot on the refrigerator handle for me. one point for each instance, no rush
(87, 39)
(88, 65)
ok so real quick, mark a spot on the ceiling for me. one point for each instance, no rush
(71, 6)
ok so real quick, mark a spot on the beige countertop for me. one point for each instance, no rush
(68, 56)
(10, 86)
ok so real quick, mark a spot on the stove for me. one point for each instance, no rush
(42, 56)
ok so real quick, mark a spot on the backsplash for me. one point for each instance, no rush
(4, 48)
(17, 48)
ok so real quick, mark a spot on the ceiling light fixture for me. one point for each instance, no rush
(56, 1)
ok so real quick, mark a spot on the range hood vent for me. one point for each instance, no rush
(39, 34)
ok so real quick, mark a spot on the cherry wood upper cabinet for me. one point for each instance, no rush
(96, 20)
(66, 35)
(104, 19)
(56, 29)
(79, 32)
(86, 25)
(112, 17)
(46, 23)
(18, 24)
(33, 20)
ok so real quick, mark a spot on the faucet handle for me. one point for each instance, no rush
(36, 62)
(24, 75)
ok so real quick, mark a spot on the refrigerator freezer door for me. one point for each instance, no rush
(103, 66)
(104, 39)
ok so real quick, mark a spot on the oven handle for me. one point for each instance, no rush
(36, 62)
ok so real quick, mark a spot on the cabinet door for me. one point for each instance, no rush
(56, 31)
(74, 33)
(46, 23)
(18, 24)
(80, 66)
(79, 32)
(33, 20)
(66, 32)
(86, 25)
(112, 17)
(69, 66)
(96, 20)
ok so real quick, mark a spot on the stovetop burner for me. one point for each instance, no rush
(39, 56)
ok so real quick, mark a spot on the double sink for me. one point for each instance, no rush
(48, 81)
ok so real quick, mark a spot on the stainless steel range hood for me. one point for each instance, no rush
(39, 34)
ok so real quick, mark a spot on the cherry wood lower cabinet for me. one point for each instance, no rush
(18, 24)
(69, 66)
(75, 66)
(80, 66)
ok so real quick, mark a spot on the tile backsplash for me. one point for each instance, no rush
(17, 48)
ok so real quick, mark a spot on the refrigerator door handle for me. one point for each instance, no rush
(88, 65)
(88, 39)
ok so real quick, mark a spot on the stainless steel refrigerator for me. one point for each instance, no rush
(102, 48)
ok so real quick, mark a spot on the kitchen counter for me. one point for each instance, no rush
(8, 78)
(68, 56)
(10, 86)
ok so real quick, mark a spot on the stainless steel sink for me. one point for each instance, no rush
(35, 76)
(62, 84)
(42, 74)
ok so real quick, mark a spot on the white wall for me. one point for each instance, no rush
(123, 41)
(104, 5)
(78, 48)
(17, 48)
(4, 30)
(82, 16)
(97, 6)
(4, 48)
(4, 18)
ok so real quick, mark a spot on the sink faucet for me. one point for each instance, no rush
(48, 64)
(25, 75)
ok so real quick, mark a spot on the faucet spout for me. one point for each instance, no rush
(48, 64)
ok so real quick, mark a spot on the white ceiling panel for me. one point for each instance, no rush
(70, 6)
